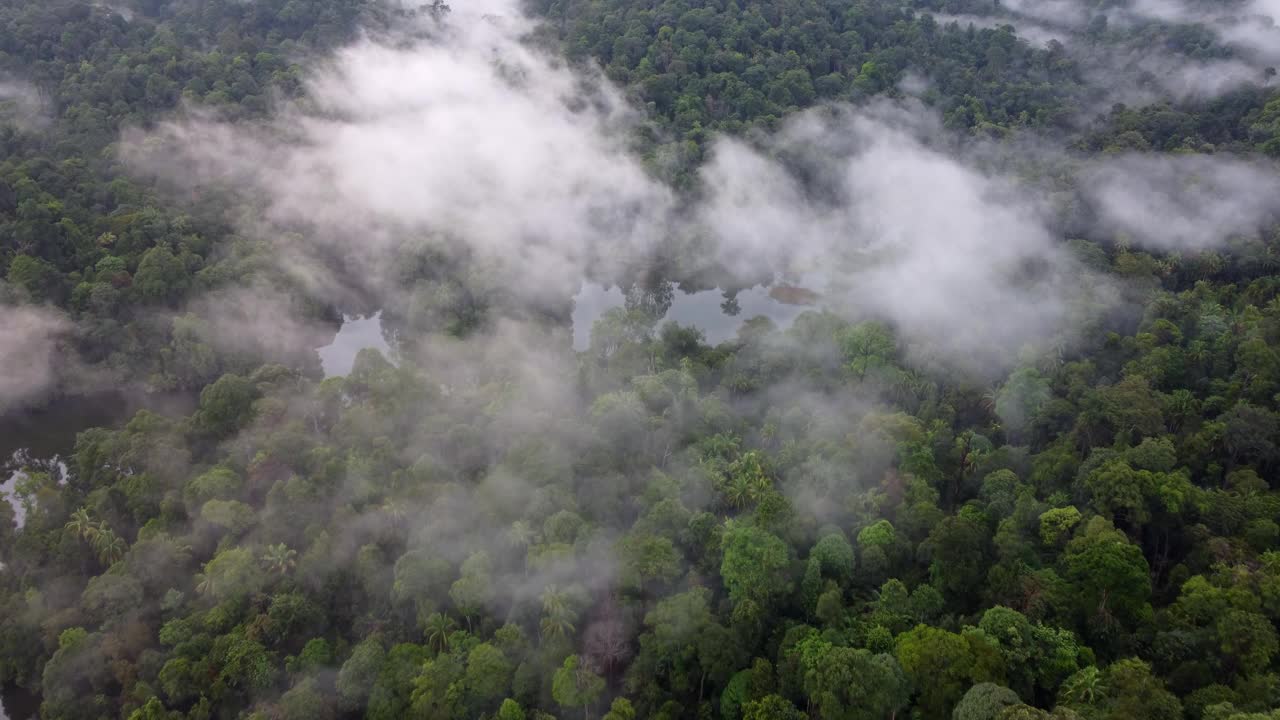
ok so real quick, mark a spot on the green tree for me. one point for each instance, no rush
(279, 559)
(1110, 577)
(225, 406)
(574, 685)
(620, 710)
(510, 710)
(230, 574)
(771, 707)
(161, 276)
(851, 684)
(939, 664)
(985, 701)
(356, 677)
(755, 565)
(488, 675)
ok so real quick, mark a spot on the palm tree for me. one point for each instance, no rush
(758, 487)
(111, 547)
(1085, 687)
(99, 537)
(80, 523)
(1198, 352)
(554, 600)
(719, 445)
(438, 628)
(738, 491)
(989, 398)
(280, 559)
(558, 625)
(558, 618)
(1180, 407)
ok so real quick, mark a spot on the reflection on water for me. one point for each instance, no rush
(356, 334)
(717, 313)
(36, 438)
(18, 704)
(50, 430)
(15, 471)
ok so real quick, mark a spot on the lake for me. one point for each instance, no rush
(716, 312)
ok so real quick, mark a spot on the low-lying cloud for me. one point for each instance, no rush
(1136, 64)
(912, 234)
(33, 353)
(1183, 202)
(510, 158)
(472, 135)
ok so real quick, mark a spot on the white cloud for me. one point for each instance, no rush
(33, 353)
(1183, 202)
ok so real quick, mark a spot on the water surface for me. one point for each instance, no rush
(356, 334)
(718, 313)
(18, 704)
(38, 438)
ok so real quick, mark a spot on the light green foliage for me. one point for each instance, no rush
(510, 710)
(305, 701)
(649, 558)
(771, 707)
(232, 516)
(574, 685)
(878, 534)
(219, 483)
(835, 557)
(621, 709)
(939, 665)
(985, 701)
(231, 573)
(869, 349)
(357, 675)
(851, 684)
(244, 662)
(391, 694)
(1111, 578)
(488, 674)
(1055, 524)
(999, 491)
(472, 590)
(225, 406)
(154, 710)
(755, 564)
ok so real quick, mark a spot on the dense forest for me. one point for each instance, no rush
(1021, 460)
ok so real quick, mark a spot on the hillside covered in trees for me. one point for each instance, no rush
(1014, 453)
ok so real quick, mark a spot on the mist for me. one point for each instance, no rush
(1143, 69)
(993, 334)
(503, 157)
(1183, 202)
(34, 354)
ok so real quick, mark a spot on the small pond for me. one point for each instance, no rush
(356, 334)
